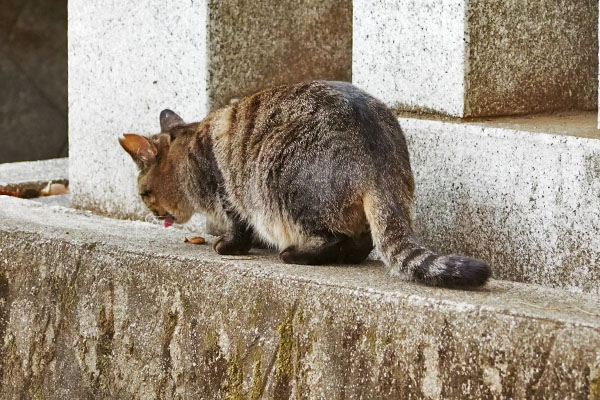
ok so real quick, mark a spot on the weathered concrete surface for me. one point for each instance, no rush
(531, 56)
(92, 307)
(474, 58)
(411, 54)
(34, 171)
(127, 62)
(254, 45)
(33, 175)
(63, 200)
(130, 60)
(529, 203)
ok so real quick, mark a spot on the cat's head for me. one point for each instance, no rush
(158, 182)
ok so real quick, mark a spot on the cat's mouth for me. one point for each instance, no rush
(168, 220)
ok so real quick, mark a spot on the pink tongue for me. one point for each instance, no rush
(168, 221)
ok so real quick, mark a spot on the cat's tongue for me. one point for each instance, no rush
(168, 221)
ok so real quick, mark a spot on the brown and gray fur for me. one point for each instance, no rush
(318, 170)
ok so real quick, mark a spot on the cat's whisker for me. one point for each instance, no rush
(152, 219)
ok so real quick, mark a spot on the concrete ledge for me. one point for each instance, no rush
(528, 202)
(92, 307)
(33, 175)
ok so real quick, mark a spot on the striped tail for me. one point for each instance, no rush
(393, 237)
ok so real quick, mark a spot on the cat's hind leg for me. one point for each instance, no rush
(337, 249)
(357, 249)
(237, 240)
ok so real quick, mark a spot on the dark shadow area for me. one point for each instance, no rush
(33, 80)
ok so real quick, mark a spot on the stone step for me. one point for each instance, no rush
(105, 308)
(33, 175)
(522, 193)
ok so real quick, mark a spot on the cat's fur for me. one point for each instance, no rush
(319, 170)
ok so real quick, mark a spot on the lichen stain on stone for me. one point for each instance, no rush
(352, 335)
(257, 381)
(595, 386)
(170, 323)
(104, 345)
(4, 316)
(371, 340)
(283, 368)
(232, 385)
(303, 343)
(214, 364)
(299, 317)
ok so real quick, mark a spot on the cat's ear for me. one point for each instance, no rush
(139, 148)
(169, 120)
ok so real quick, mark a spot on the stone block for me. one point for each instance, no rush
(410, 54)
(475, 58)
(27, 178)
(92, 307)
(128, 61)
(521, 193)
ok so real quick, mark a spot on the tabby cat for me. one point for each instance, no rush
(318, 170)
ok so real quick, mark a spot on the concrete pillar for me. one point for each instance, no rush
(130, 60)
(476, 58)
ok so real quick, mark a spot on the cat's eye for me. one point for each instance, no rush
(145, 193)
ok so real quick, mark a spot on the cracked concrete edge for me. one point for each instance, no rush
(95, 307)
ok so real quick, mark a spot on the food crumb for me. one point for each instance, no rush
(194, 240)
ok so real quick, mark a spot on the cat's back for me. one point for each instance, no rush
(306, 115)
(309, 148)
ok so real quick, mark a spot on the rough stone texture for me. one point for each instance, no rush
(33, 72)
(473, 58)
(529, 203)
(531, 56)
(410, 54)
(254, 45)
(33, 175)
(63, 200)
(127, 62)
(97, 308)
(130, 60)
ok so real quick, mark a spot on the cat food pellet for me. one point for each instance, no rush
(194, 240)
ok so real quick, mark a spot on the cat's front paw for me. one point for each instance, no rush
(230, 247)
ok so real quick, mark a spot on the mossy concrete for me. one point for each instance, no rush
(92, 307)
